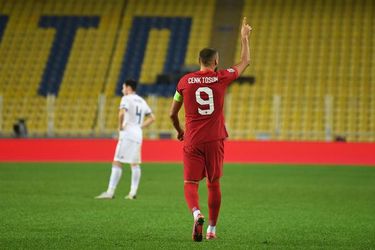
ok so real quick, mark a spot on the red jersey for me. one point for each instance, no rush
(203, 96)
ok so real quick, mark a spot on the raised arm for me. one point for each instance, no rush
(176, 106)
(245, 48)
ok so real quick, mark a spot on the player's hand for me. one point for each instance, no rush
(180, 135)
(245, 29)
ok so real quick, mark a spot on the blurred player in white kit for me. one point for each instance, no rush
(134, 115)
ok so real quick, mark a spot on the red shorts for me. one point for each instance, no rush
(204, 160)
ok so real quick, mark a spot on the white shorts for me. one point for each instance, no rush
(128, 151)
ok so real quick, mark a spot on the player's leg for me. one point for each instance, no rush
(133, 157)
(116, 174)
(214, 202)
(116, 171)
(214, 169)
(191, 196)
(193, 173)
(135, 178)
(114, 179)
(192, 200)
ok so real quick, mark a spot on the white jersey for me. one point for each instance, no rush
(136, 109)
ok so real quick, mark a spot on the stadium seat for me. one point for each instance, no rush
(304, 52)
(25, 51)
(302, 59)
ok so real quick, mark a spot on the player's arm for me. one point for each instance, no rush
(176, 106)
(150, 118)
(245, 47)
(121, 117)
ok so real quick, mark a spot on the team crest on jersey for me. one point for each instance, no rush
(230, 70)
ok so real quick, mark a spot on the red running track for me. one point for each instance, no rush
(101, 150)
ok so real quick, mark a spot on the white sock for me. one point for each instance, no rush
(114, 179)
(196, 213)
(136, 176)
(211, 229)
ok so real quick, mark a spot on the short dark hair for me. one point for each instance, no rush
(207, 56)
(132, 83)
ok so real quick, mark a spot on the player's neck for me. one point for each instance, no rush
(207, 69)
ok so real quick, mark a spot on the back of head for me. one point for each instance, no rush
(131, 83)
(207, 56)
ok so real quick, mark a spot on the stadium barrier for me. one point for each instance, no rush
(101, 150)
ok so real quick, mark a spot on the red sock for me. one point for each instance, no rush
(214, 201)
(191, 195)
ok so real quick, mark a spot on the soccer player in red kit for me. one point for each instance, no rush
(202, 93)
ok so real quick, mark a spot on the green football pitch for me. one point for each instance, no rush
(52, 206)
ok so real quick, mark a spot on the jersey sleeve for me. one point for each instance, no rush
(180, 86)
(228, 75)
(124, 103)
(178, 94)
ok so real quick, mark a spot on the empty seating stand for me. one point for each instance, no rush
(312, 61)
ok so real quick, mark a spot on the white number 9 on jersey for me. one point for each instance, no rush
(209, 101)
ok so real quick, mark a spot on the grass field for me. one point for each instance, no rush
(51, 206)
